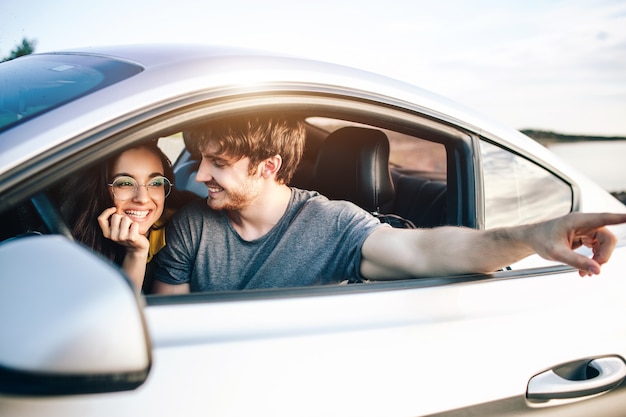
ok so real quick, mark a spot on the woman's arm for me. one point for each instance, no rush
(134, 265)
(120, 229)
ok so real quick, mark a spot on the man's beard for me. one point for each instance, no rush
(234, 200)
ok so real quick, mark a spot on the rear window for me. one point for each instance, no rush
(34, 84)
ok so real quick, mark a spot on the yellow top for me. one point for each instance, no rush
(157, 242)
(156, 239)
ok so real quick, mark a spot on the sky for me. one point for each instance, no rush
(556, 65)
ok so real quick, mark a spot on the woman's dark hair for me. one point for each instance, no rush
(85, 195)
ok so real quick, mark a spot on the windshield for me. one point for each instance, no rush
(34, 84)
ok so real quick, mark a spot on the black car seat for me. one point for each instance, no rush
(186, 169)
(353, 165)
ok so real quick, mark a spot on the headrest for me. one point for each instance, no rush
(353, 164)
(192, 147)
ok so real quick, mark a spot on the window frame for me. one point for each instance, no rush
(573, 191)
(463, 161)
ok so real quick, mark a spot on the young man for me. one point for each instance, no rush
(254, 231)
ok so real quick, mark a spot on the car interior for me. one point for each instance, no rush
(353, 163)
(401, 178)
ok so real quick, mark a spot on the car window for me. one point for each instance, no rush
(35, 84)
(406, 152)
(517, 191)
(418, 169)
(417, 155)
(172, 146)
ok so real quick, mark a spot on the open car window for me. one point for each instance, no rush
(431, 165)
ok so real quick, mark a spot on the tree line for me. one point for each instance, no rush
(26, 47)
(548, 137)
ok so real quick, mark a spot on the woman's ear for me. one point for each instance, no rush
(270, 167)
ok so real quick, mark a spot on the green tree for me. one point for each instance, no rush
(25, 48)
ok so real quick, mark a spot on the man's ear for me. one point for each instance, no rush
(270, 167)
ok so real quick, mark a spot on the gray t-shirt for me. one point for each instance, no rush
(317, 241)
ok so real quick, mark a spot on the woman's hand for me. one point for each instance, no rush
(121, 229)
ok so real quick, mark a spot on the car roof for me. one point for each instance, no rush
(174, 70)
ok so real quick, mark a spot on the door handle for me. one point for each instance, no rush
(577, 379)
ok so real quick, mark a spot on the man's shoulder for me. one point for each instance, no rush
(300, 195)
(316, 202)
(315, 198)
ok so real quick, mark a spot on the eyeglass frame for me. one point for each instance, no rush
(137, 185)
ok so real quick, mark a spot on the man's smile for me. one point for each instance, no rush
(214, 188)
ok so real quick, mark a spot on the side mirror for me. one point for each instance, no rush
(69, 322)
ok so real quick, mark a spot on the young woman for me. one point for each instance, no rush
(119, 208)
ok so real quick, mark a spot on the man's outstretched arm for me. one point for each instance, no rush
(401, 253)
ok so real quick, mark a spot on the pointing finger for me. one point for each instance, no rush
(597, 220)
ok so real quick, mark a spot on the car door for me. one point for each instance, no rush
(470, 346)
(409, 348)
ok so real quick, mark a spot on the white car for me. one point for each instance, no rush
(75, 339)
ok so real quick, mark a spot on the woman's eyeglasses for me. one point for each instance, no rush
(125, 188)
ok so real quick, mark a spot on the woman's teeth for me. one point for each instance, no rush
(137, 213)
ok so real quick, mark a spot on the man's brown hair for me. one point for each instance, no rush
(256, 137)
